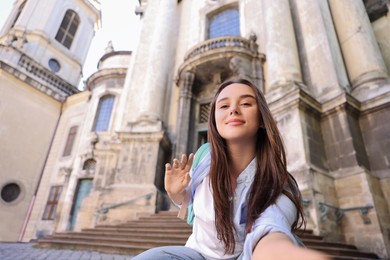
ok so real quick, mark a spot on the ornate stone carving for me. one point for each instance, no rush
(376, 8)
(240, 67)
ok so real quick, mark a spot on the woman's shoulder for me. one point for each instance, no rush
(284, 207)
(202, 151)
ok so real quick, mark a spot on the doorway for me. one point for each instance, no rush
(84, 187)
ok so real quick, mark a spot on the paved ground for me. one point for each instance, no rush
(27, 251)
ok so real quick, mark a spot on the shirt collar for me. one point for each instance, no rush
(248, 173)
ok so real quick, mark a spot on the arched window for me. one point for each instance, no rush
(89, 165)
(225, 23)
(103, 114)
(70, 141)
(20, 9)
(68, 28)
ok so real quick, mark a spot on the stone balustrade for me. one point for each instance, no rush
(223, 44)
(56, 83)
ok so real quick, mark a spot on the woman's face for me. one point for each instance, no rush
(237, 114)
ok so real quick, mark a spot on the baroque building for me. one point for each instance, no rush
(322, 65)
(43, 46)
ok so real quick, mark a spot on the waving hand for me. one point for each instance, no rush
(177, 177)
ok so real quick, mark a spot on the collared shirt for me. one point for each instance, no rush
(276, 218)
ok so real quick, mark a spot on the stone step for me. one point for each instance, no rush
(164, 229)
(150, 225)
(315, 242)
(345, 252)
(139, 230)
(108, 248)
(135, 241)
(102, 235)
(351, 258)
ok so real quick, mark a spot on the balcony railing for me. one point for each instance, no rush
(222, 43)
(57, 84)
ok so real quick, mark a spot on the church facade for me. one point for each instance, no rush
(322, 65)
(43, 46)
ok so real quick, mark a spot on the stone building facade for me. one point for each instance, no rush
(323, 67)
(43, 46)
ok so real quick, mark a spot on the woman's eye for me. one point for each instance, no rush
(223, 106)
(246, 104)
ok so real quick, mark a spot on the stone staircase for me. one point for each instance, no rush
(164, 229)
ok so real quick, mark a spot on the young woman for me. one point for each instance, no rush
(246, 205)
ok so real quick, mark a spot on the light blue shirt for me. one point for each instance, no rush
(277, 218)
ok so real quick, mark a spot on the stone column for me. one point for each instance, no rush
(183, 116)
(322, 62)
(281, 48)
(143, 99)
(360, 49)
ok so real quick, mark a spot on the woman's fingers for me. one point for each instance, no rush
(184, 164)
(187, 178)
(189, 163)
(183, 161)
(175, 163)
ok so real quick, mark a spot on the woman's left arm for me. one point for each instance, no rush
(279, 246)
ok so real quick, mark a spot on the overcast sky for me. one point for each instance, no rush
(119, 24)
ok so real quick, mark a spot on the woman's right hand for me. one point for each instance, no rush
(177, 177)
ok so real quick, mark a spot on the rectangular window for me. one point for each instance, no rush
(70, 141)
(103, 114)
(225, 23)
(67, 31)
(204, 113)
(52, 202)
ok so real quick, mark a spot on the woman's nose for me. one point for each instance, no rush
(234, 109)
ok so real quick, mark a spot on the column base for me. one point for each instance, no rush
(367, 90)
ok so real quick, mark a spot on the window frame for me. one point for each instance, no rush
(219, 12)
(52, 202)
(70, 140)
(68, 28)
(101, 118)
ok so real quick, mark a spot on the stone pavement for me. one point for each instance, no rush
(27, 251)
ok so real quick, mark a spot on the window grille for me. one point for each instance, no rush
(225, 23)
(204, 113)
(90, 165)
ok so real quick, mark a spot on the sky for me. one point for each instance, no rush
(119, 24)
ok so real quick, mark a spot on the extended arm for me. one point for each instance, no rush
(279, 246)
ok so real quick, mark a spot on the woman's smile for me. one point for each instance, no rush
(237, 114)
(235, 122)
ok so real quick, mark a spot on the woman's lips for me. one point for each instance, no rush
(235, 122)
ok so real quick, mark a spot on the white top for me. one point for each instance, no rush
(276, 218)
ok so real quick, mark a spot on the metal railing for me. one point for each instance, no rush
(104, 210)
(339, 213)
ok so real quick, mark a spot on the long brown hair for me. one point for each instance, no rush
(271, 178)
